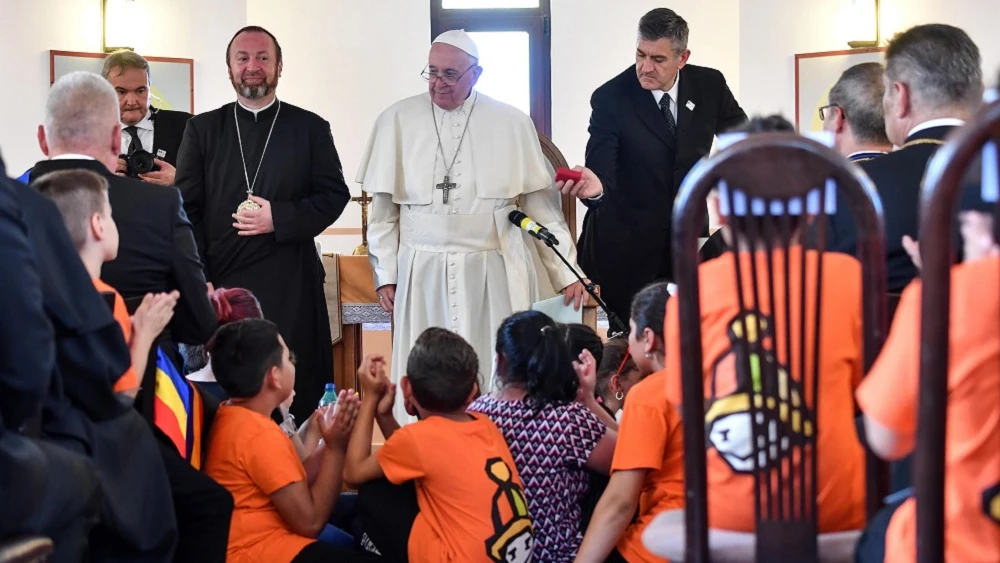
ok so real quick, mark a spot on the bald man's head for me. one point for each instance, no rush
(81, 116)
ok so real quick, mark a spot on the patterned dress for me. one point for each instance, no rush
(550, 448)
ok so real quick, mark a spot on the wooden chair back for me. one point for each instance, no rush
(26, 549)
(946, 176)
(557, 161)
(765, 182)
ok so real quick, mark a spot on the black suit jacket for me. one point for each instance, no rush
(625, 243)
(26, 337)
(156, 250)
(168, 132)
(897, 177)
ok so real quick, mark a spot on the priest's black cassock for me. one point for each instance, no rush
(300, 175)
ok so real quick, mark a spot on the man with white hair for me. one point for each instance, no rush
(156, 254)
(446, 168)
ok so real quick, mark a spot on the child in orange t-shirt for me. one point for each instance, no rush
(277, 512)
(647, 471)
(461, 499)
(840, 491)
(82, 199)
(889, 397)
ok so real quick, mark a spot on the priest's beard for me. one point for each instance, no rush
(253, 92)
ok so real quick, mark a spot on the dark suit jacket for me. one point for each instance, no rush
(625, 243)
(80, 410)
(26, 338)
(897, 177)
(168, 131)
(156, 251)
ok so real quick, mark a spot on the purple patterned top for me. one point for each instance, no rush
(550, 449)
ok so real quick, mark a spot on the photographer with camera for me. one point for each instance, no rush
(151, 136)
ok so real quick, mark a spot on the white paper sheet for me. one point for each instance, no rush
(559, 312)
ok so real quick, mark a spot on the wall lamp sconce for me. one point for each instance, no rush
(859, 7)
(117, 23)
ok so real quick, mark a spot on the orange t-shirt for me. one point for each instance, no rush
(128, 380)
(471, 499)
(252, 458)
(650, 436)
(840, 465)
(972, 457)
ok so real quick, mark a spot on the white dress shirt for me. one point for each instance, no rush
(658, 95)
(72, 156)
(940, 122)
(144, 129)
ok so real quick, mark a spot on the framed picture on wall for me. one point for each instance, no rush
(816, 73)
(171, 79)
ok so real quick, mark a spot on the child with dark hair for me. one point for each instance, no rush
(738, 330)
(647, 472)
(616, 375)
(231, 305)
(444, 488)
(580, 337)
(552, 423)
(279, 511)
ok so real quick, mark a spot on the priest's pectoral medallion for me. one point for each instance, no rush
(446, 186)
(248, 205)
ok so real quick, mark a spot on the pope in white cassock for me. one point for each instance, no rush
(445, 169)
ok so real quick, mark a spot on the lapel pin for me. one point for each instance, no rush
(160, 153)
(689, 105)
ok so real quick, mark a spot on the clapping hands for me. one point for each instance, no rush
(336, 422)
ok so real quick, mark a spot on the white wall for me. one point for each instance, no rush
(773, 31)
(184, 28)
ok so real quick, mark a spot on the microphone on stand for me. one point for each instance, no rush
(534, 229)
(523, 222)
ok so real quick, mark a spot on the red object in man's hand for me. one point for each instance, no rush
(565, 174)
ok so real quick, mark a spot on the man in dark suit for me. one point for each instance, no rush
(156, 131)
(933, 82)
(156, 254)
(81, 412)
(44, 489)
(649, 126)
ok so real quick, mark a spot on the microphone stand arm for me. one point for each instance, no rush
(617, 328)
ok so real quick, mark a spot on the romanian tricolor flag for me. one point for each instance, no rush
(177, 409)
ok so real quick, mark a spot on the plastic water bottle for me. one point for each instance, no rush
(329, 395)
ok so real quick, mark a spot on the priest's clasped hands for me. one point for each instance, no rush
(258, 222)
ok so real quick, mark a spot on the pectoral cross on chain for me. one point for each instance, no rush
(446, 186)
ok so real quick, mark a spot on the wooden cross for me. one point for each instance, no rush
(446, 186)
(364, 200)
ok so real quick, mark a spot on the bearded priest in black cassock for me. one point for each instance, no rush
(261, 179)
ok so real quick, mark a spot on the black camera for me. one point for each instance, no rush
(139, 162)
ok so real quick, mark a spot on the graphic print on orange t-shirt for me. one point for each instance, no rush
(991, 503)
(780, 408)
(514, 538)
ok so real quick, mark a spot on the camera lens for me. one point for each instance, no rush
(140, 162)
